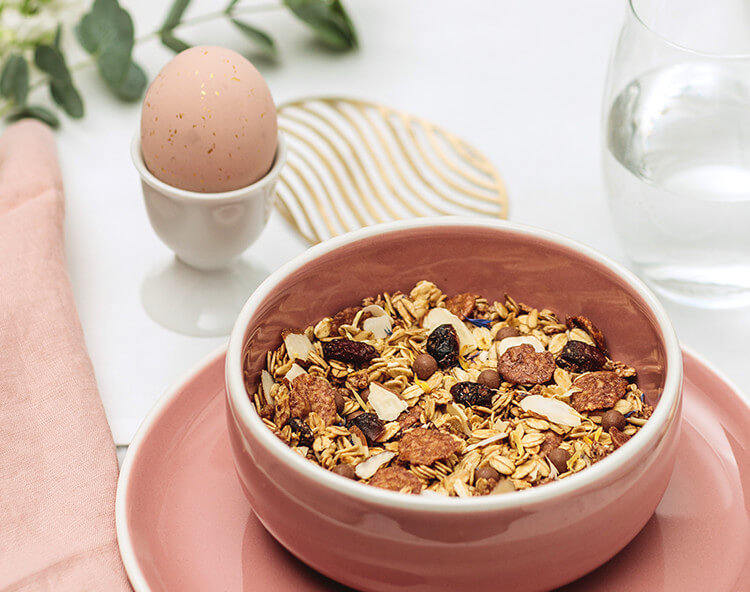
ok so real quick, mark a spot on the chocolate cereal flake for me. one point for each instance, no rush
(396, 479)
(312, 393)
(598, 390)
(523, 365)
(422, 446)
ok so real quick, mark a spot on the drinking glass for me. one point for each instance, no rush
(676, 151)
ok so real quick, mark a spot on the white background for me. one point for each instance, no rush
(522, 80)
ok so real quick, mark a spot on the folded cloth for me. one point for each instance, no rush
(58, 468)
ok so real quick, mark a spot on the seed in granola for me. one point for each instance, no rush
(344, 470)
(559, 457)
(370, 424)
(489, 378)
(344, 317)
(618, 438)
(584, 323)
(522, 364)
(396, 479)
(442, 344)
(312, 393)
(613, 419)
(338, 396)
(349, 352)
(424, 366)
(578, 356)
(598, 390)
(461, 305)
(506, 332)
(486, 472)
(303, 431)
(422, 446)
(472, 393)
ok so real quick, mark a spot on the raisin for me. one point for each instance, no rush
(442, 344)
(304, 433)
(349, 352)
(472, 393)
(581, 357)
(370, 425)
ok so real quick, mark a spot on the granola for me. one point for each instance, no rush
(457, 396)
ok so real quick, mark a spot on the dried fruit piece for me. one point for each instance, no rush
(472, 393)
(367, 468)
(442, 316)
(345, 470)
(387, 405)
(461, 305)
(424, 366)
(339, 396)
(489, 378)
(618, 438)
(551, 409)
(506, 332)
(422, 446)
(598, 390)
(584, 323)
(349, 352)
(410, 417)
(442, 344)
(396, 479)
(523, 365)
(613, 419)
(312, 393)
(370, 425)
(303, 431)
(343, 317)
(581, 357)
(559, 457)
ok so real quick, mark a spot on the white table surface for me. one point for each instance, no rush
(521, 80)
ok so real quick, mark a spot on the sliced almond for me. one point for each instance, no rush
(369, 467)
(295, 371)
(509, 342)
(298, 346)
(552, 409)
(386, 405)
(267, 382)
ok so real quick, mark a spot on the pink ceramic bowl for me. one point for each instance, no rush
(373, 539)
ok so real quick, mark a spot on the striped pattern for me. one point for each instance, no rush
(353, 163)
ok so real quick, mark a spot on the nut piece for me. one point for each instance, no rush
(343, 317)
(598, 390)
(339, 396)
(421, 446)
(551, 441)
(578, 356)
(487, 472)
(618, 438)
(559, 458)
(410, 417)
(523, 365)
(472, 393)
(313, 393)
(506, 332)
(396, 479)
(613, 419)
(461, 305)
(489, 378)
(344, 470)
(349, 352)
(424, 366)
(584, 323)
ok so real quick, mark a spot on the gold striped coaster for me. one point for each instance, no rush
(354, 163)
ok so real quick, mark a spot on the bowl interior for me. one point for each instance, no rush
(490, 261)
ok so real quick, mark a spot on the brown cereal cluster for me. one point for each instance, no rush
(413, 405)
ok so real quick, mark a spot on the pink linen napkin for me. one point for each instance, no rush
(58, 468)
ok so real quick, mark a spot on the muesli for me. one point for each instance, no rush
(457, 396)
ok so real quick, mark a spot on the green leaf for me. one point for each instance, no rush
(328, 19)
(174, 16)
(14, 79)
(230, 6)
(35, 112)
(132, 87)
(58, 37)
(173, 43)
(260, 38)
(67, 96)
(50, 60)
(107, 32)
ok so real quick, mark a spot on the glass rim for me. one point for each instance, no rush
(674, 44)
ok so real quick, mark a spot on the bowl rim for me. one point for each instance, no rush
(254, 189)
(242, 409)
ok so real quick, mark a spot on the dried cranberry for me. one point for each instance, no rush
(581, 357)
(442, 345)
(370, 424)
(472, 393)
(304, 433)
(349, 352)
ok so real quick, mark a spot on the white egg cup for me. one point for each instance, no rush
(203, 288)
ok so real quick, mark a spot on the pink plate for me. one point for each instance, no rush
(184, 524)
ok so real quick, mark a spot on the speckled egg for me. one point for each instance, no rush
(208, 122)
